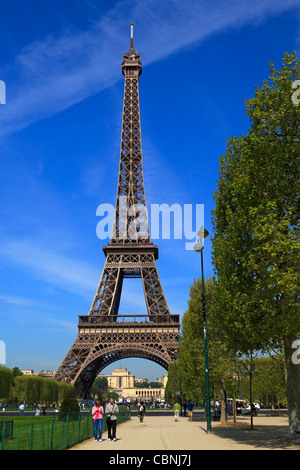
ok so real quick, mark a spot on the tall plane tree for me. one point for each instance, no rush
(256, 228)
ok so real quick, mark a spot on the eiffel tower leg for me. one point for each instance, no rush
(108, 294)
(105, 303)
(154, 294)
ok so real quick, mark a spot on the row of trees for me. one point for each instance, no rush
(253, 301)
(230, 374)
(29, 389)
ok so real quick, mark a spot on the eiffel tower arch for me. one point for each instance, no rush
(104, 336)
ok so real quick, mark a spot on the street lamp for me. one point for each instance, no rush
(203, 233)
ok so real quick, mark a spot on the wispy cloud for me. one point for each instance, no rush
(54, 74)
(51, 267)
(66, 273)
(15, 300)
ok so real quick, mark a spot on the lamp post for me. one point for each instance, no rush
(203, 233)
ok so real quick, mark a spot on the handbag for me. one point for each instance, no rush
(108, 416)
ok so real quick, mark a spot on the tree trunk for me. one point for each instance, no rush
(293, 386)
(234, 410)
(223, 404)
(223, 414)
(278, 404)
(250, 379)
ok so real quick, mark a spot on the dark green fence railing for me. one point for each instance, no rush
(50, 433)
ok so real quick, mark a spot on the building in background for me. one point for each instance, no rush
(123, 383)
(43, 373)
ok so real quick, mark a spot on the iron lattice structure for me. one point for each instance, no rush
(104, 336)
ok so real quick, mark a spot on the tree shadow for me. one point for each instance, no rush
(260, 437)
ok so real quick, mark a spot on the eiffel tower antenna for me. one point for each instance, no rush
(131, 25)
(104, 336)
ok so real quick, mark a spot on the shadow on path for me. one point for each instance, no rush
(260, 437)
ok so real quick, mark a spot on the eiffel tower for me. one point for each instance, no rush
(104, 336)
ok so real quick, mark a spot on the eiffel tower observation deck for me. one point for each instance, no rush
(104, 336)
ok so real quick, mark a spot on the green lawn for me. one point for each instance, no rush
(49, 433)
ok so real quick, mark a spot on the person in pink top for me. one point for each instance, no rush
(97, 413)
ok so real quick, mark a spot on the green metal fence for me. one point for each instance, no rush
(51, 433)
(6, 429)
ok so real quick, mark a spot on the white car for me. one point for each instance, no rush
(248, 407)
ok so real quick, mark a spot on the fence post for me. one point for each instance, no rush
(78, 429)
(52, 432)
(67, 430)
(87, 426)
(31, 436)
(3, 436)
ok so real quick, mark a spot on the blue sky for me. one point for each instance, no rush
(60, 140)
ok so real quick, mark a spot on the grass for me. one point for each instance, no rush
(49, 433)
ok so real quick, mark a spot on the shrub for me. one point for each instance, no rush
(69, 405)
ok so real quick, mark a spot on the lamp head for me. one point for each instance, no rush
(203, 233)
(198, 247)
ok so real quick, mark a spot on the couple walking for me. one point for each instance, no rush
(111, 411)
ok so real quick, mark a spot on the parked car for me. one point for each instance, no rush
(256, 406)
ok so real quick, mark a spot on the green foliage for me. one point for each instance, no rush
(69, 404)
(191, 350)
(37, 389)
(156, 385)
(28, 389)
(256, 242)
(269, 385)
(174, 382)
(113, 395)
(256, 219)
(62, 387)
(99, 386)
(149, 385)
(5, 383)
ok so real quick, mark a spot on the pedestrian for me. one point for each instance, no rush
(190, 407)
(141, 412)
(97, 413)
(176, 409)
(184, 408)
(111, 411)
(21, 409)
(44, 409)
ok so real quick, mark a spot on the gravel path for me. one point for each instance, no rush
(163, 433)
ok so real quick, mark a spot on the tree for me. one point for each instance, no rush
(99, 386)
(49, 390)
(191, 349)
(16, 372)
(269, 380)
(173, 383)
(63, 387)
(69, 404)
(256, 229)
(156, 385)
(5, 383)
(37, 389)
(28, 389)
(113, 395)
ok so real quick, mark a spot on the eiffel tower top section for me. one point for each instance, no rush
(131, 61)
(131, 226)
